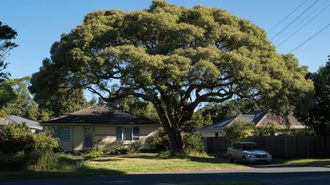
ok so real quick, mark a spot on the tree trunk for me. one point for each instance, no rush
(171, 129)
(176, 139)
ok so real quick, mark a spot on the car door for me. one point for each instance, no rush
(236, 151)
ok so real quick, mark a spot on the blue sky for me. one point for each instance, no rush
(39, 23)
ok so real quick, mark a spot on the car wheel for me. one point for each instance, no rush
(231, 160)
(244, 160)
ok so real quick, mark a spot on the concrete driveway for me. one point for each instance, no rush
(268, 175)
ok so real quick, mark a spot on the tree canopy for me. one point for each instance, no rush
(51, 96)
(6, 35)
(317, 113)
(176, 58)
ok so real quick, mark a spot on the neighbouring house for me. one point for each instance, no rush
(33, 125)
(258, 118)
(101, 126)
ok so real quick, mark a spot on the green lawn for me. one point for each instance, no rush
(306, 162)
(69, 165)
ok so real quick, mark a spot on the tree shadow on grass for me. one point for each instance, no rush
(64, 167)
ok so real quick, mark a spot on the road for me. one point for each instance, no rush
(268, 175)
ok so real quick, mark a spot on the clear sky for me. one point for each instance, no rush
(39, 23)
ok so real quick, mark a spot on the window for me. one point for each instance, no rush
(63, 133)
(119, 134)
(136, 133)
(127, 133)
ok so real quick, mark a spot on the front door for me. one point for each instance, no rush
(88, 138)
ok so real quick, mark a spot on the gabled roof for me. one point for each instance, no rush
(256, 118)
(101, 115)
(19, 120)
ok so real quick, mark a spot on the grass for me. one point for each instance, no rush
(307, 162)
(226, 183)
(147, 162)
(69, 165)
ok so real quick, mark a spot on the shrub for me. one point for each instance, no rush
(94, 153)
(135, 147)
(15, 138)
(194, 142)
(239, 130)
(268, 129)
(35, 150)
(159, 141)
(117, 149)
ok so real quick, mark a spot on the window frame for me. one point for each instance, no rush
(120, 135)
(59, 133)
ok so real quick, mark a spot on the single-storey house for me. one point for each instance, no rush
(33, 125)
(101, 126)
(258, 118)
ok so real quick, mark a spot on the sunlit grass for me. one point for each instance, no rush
(69, 165)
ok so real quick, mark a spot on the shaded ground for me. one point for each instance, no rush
(268, 176)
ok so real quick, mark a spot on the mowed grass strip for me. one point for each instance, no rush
(148, 163)
(307, 162)
(69, 166)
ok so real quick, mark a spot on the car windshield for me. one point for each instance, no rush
(250, 146)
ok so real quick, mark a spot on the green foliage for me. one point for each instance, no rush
(136, 106)
(117, 149)
(194, 142)
(22, 105)
(94, 153)
(159, 141)
(6, 35)
(217, 111)
(268, 129)
(52, 94)
(174, 57)
(239, 131)
(315, 108)
(15, 138)
(26, 148)
(7, 95)
(135, 147)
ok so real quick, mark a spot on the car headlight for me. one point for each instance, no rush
(250, 156)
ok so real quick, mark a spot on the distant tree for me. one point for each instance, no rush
(6, 92)
(23, 104)
(6, 35)
(175, 58)
(316, 107)
(7, 95)
(220, 111)
(136, 106)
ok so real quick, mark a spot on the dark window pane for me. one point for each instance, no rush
(136, 133)
(119, 134)
(65, 133)
(127, 133)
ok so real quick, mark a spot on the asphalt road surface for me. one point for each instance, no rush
(268, 175)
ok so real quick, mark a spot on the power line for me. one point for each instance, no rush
(294, 20)
(287, 16)
(301, 27)
(302, 21)
(303, 43)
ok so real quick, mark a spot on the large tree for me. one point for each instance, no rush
(176, 58)
(316, 106)
(52, 93)
(6, 35)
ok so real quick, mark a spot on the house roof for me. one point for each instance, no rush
(19, 120)
(101, 115)
(256, 118)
